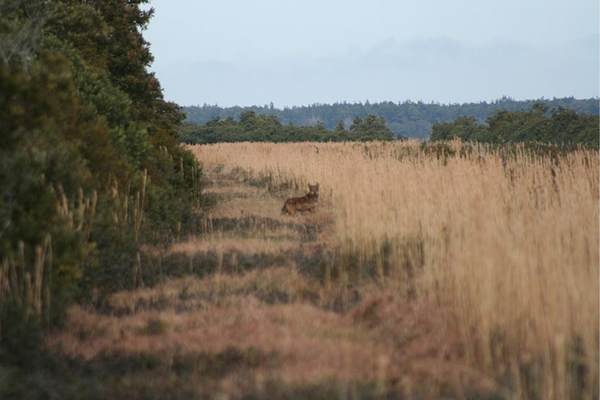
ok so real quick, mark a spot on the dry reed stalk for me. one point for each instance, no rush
(79, 214)
(509, 238)
(138, 280)
(28, 286)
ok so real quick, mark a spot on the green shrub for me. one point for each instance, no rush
(90, 165)
(560, 126)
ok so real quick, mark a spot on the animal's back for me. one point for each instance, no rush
(307, 202)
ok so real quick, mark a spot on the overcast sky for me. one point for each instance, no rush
(294, 52)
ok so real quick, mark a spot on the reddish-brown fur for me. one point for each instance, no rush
(307, 202)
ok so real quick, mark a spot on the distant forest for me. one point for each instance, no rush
(405, 119)
(253, 127)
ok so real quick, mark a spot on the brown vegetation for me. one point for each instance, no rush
(425, 272)
(504, 238)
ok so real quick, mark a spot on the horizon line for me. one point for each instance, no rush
(399, 102)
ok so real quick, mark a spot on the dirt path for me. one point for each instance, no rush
(244, 220)
(254, 315)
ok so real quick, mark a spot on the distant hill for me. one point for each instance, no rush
(408, 119)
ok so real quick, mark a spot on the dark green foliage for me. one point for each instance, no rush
(253, 127)
(369, 128)
(559, 126)
(465, 127)
(21, 342)
(405, 119)
(89, 154)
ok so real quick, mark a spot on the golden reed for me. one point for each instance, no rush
(509, 240)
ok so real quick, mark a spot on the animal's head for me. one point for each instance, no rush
(313, 189)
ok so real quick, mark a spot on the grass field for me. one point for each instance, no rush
(508, 243)
(439, 271)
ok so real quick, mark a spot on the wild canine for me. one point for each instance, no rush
(307, 202)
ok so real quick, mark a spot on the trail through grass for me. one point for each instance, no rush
(265, 322)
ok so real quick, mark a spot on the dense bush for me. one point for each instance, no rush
(252, 127)
(90, 163)
(559, 126)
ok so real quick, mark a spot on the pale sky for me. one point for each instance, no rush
(296, 52)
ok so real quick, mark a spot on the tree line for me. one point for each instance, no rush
(253, 127)
(559, 126)
(404, 119)
(91, 168)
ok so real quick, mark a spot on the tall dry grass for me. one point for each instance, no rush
(507, 239)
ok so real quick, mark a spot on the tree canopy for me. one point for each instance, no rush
(404, 119)
(90, 163)
(560, 126)
(253, 127)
